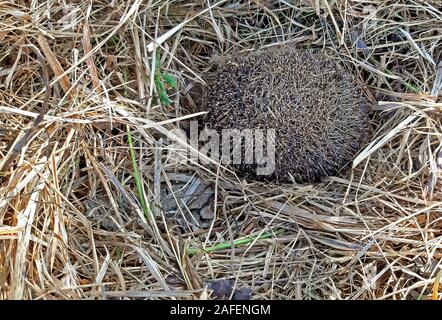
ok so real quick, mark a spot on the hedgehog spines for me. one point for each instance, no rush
(313, 102)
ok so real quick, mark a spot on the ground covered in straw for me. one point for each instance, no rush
(95, 202)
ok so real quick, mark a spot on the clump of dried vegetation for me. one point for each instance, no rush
(315, 106)
(93, 203)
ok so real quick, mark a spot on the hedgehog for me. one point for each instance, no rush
(313, 103)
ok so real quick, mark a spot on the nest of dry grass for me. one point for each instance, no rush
(95, 202)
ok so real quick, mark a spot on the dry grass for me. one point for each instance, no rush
(72, 225)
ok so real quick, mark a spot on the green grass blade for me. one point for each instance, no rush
(138, 184)
(227, 245)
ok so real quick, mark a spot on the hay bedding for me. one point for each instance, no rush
(73, 224)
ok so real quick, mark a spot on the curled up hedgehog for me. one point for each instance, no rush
(315, 106)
